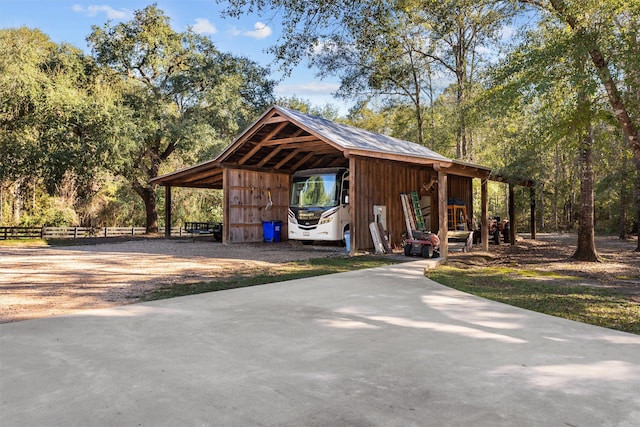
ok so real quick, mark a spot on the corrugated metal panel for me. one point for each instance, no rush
(351, 138)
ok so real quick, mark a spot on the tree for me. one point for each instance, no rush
(58, 116)
(382, 60)
(181, 93)
(608, 31)
(391, 49)
(550, 73)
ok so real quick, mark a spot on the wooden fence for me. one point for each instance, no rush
(67, 232)
(8, 233)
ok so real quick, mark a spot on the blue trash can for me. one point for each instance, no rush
(271, 231)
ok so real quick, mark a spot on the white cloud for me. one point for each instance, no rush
(310, 88)
(261, 31)
(93, 10)
(508, 32)
(234, 32)
(322, 47)
(203, 26)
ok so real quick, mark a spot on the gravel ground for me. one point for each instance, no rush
(48, 281)
(41, 281)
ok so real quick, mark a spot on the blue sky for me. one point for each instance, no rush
(71, 20)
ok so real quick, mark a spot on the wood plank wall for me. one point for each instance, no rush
(461, 187)
(380, 182)
(246, 197)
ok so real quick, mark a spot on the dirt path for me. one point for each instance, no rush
(48, 281)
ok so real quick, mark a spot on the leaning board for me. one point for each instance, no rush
(377, 239)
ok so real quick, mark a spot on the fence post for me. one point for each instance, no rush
(75, 232)
(105, 232)
(43, 231)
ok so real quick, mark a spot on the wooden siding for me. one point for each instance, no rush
(461, 187)
(380, 182)
(246, 195)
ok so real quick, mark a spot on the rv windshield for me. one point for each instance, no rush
(315, 190)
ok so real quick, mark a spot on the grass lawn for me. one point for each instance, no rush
(550, 293)
(282, 272)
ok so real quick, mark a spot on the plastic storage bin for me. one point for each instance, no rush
(271, 230)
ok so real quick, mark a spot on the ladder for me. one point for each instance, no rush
(409, 216)
(415, 200)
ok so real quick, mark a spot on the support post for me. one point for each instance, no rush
(532, 201)
(167, 211)
(484, 219)
(353, 193)
(512, 216)
(443, 232)
(226, 210)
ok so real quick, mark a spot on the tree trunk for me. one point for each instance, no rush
(615, 100)
(17, 202)
(623, 235)
(151, 208)
(148, 195)
(420, 121)
(586, 250)
(556, 189)
(624, 119)
(638, 206)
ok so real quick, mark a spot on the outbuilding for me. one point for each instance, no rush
(256, 173)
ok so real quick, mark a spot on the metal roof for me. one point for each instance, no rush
(284, 141)
(352, 138)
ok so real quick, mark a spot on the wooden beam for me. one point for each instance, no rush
(200, 175)
(287, 158)
(226, 217)
(167, 212)
(353, 201)
(400, 158)
(337, 162)
(318, 163)
(262, 143)
(276, 119)
(302, 161)
(316, 146)
(443, 232)
(484, 219)
(268, 157)
(291, 139)
(512, 216)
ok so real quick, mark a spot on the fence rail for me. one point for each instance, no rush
(7, 233)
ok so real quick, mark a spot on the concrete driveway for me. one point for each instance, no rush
(379, 347)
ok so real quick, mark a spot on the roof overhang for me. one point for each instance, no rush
(285, 141)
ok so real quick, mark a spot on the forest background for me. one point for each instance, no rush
(557, 101)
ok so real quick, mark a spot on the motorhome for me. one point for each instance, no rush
(319, 205)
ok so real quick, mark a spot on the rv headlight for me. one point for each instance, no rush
(325, 220)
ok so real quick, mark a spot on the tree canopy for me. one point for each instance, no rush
(180, 92)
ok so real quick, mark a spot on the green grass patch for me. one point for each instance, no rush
(587, 304)
(279, 273)
(24, 242)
